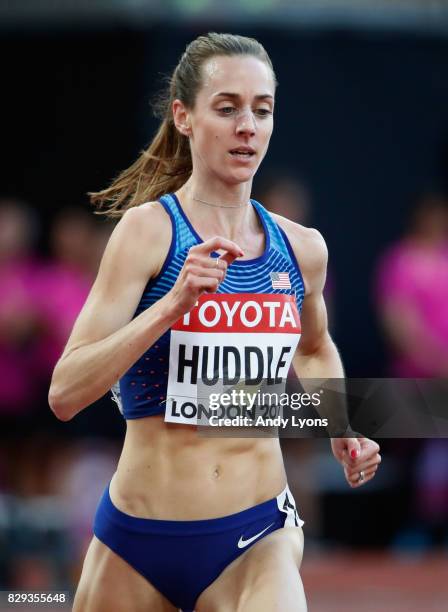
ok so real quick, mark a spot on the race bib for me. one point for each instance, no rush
(227, 340)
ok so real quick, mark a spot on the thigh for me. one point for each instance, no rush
(109, 583)
(266, 577)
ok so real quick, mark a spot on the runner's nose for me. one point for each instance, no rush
(245, 122)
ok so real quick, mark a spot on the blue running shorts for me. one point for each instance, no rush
(182, 558)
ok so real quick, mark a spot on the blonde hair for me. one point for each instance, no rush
(166, 164)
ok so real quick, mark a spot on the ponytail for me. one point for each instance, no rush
(161, 168)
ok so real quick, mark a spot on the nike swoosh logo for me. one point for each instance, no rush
(243, 543)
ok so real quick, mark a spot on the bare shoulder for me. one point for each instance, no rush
(309, 248)
(147, 219)
(143, 234)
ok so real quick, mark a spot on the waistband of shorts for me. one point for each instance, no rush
(265, 509)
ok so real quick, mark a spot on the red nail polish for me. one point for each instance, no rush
(353, 454)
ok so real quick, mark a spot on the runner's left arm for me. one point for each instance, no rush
(317, 358)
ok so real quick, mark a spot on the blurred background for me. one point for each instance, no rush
(360, 151)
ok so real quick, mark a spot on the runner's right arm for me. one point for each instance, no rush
(105, 340)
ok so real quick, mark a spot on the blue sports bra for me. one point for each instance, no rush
(250, 327)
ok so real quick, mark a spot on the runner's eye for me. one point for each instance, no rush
(263, 112)
(227, 110)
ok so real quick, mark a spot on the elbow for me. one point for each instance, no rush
(319, 346)
(60, 408)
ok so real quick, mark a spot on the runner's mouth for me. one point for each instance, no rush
(243, 153)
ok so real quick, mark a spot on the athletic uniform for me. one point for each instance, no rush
(247, 331)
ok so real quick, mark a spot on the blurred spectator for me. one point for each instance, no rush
(78, 480)
(78, 238)
(76, 245)
(431, 495)
(40, 300)
(103, 230)
(285, 196)
(71, 240)
(21, 332)
(411, 292)
(66, 280)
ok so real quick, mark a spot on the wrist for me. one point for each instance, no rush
(348, 432)
(171, 311)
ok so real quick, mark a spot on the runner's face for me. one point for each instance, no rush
(232, 120)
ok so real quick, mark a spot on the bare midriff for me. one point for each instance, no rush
(174, 472)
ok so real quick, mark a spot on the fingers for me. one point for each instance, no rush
(200, 278)
(363, 461)
(368, 446)
(195, 283)
(210, 285)
(228, 258)
(354, 478)
(207, 272)
(215, 263)
(213, 244)
(366, 460)
(203, 266)
(369, 449)
(364, 465)
(203, 272)
(206, 248)
(368, 467)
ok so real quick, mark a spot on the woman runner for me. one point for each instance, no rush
(197, 275)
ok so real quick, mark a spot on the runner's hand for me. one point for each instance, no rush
(356, 455)
(202, 273)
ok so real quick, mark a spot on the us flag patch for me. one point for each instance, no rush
(280, 280)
